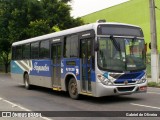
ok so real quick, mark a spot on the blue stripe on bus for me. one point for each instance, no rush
(41, 68)
(130, 77)
(74, 69)
(44, 68)
(15, 68)
(38, 67)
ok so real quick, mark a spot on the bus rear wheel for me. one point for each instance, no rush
(72, 89)
(26, 81)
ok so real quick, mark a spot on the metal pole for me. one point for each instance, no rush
(154, 51)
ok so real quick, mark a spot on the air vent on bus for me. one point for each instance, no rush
(125, 89)
(101, 21)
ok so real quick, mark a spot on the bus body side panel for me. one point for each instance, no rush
(74, 67)
(39, 71)
(70, 67)
(16, 72)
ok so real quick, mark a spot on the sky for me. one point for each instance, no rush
(84, 7)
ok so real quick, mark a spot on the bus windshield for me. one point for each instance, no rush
(121, 54)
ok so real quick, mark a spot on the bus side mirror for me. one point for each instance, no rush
(96, 46)
(150, 45)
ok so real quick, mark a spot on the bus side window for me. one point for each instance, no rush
(71, 46)
(35, 50)
(13, 53)
(18, 52)
(44, 49)
(26, 51)
(67, 47)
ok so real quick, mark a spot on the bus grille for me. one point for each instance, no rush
(125, 89)
(122, 82)
(130, 76)
(127, 75)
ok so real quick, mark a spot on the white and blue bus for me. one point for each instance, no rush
(98, 59)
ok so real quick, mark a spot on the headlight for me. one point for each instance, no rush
(139, 81)
(142, 80)
(104, 80)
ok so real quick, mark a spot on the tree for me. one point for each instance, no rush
(37, 28)
(58, 14)
(5, 52)
(22, 19)
(4, 42)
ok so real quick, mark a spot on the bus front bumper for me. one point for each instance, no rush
(103, 90)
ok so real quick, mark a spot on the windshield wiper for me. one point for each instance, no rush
(134, 40)
(117, 46)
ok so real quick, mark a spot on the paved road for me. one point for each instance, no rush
(42, 99)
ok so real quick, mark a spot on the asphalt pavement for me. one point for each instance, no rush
(11, 111)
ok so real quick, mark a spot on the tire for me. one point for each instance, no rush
(26, 81)
(72, 89)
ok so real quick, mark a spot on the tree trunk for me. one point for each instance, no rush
(6, 68)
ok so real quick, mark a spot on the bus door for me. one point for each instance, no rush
(85, 54)
(56, 60)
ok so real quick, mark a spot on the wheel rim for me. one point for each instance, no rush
(73, 88)
(26, 81)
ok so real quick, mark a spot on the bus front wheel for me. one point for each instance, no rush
(72, 89)
(26, 81)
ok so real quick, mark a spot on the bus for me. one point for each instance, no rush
(98, 59)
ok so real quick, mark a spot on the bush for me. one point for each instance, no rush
(153, 84)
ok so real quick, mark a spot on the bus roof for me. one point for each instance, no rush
(67, 32)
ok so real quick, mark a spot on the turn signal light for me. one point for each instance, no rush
(143, 88)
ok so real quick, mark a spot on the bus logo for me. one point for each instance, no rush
(126, 82)
(40, 68)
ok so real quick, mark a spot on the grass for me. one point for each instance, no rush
(132, 12)
(153, 84)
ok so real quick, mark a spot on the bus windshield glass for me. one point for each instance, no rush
(121, 54)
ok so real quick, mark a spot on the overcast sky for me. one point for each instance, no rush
(84, 7)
